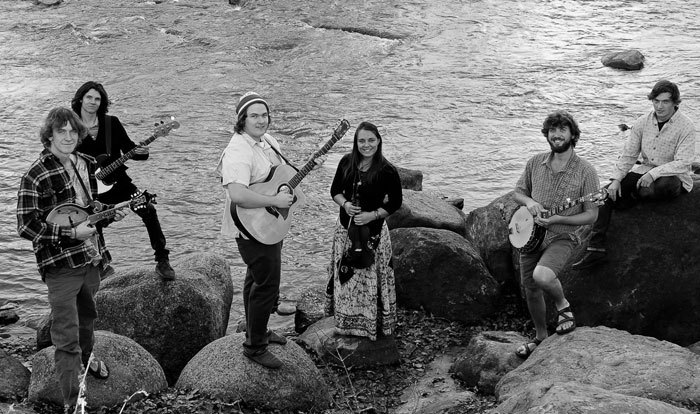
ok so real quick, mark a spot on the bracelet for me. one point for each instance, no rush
(376, 214)
(343, 205)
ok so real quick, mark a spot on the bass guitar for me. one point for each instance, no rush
(71, 214)
(269, 225)
(526, 235)
(104, 180)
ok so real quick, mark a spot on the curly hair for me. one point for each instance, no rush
(559, 119)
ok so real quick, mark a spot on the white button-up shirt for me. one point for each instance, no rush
(245, 161)
(663, 153)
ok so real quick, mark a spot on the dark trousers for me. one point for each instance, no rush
(260, 289)
(72, 299)
(123, 191)
(663, 188)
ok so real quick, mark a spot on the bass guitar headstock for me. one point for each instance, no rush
(141, 200)
(163, 128)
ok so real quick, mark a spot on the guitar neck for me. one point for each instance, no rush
(294, 181)
(107, 214)
(558, 209)
(124, 158)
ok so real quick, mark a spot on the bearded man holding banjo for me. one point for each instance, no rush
(549, 179)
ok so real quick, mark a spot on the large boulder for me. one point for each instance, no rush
(488, 357)
(349, 351)
(220, 370)
(627, 59)
(650, 284)
(173, 320)
(14, 378)
(420, 209)
(570, 397)
(310, 308)
(613, 360)
(131, 367)
(410, 179)
(441, 272)
(487, 229)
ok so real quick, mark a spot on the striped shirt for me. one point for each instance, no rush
(45, 186)
(552, 189)
(664, 153)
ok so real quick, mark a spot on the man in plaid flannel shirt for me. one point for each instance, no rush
(665, 139)
(70, 259)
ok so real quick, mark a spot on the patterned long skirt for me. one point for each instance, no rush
(365, 305)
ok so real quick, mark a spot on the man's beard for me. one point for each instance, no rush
(565, 147)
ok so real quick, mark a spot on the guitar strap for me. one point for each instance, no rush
(280, 154)
(95, 206)
(108, 134)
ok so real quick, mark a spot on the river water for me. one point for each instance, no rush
(459, 89)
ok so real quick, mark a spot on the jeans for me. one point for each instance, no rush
(123, 191)
(72, 300)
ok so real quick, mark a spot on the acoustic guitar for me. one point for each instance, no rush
(269, 225)
(104, 179)
(526, 235)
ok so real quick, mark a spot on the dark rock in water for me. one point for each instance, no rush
(489, 356)
(8, 317)
(310, 308)
(173, 320)
(131, 369)
(14, 378)
(349, 351)
(410, 179)
(628, 60)
(650, 284)
(421, 209)
(43, 333)
(220, 370)
(47, 3)
(441, 272)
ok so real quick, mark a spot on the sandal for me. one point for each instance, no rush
(102, 371)
(527, 348)
(562, 319)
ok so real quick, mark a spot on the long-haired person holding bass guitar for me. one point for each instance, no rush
(549, 179)
(107, 140)
(70, 258)
(251, 160)
(361, 292)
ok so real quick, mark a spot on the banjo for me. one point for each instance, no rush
(527, 236)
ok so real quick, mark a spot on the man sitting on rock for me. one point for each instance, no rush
(665, 138)
(549, 180)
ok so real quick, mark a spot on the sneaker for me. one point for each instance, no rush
(164, 270)
(264, 358)
(590, 259)
(275, 338)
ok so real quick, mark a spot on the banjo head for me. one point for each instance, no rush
(520, 227)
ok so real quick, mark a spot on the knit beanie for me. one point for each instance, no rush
(248, 99)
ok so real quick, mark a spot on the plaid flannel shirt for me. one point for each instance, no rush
(45, 186)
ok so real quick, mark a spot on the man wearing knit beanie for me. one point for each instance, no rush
(248, 159)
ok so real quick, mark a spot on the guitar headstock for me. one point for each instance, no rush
(163, 128)
(341, 128)
(141, 200)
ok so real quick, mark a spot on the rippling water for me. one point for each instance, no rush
(460, 89)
